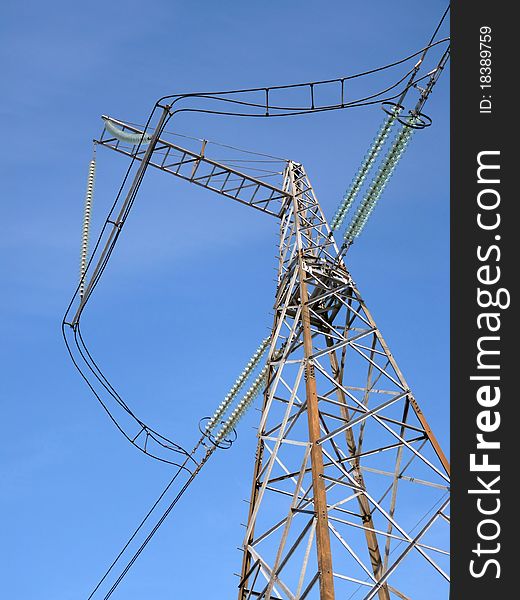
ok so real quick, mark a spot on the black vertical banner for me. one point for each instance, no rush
(485, 428)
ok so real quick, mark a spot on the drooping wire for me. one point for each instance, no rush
(156, 526)
(375, 98)
(174, 98)
(76, 340)
(150, 433)
(245, 403)
(138, 528)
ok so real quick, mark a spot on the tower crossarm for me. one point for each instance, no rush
(197, 168)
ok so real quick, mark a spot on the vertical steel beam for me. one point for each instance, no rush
(326, 577)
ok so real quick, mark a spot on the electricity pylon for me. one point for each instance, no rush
(350, 485)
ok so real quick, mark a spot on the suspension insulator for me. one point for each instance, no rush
(238, 385)
(379, 182)
(85, 232)
(242, 407)
(366, 165)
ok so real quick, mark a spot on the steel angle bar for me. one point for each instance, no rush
(272, 390)
(372, 350)
(293, 388)
(268, 574)
(351, 552)
(382, 417)
(252, 568)
(381, 369)
(306, 556)
(269, 531)
(308, 589)
(388, 428)
(301, 407)
(289, 475)
(353, 579)
(394, 486)
(406, 478)
(268, 468)
(338, 385)
(400, 472)
(316, 332)
(285, 441)
(412, 544)
(286, 470)
(343, 501)
(291, 550)
(362, 418)
(355, 312)
(387, 515)
(337, 481)
(343, 343)
(317, 298)
(371, 390)
(382, 449)
(398, 538)
(299, 487)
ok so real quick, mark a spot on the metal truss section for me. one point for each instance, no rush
(350, 487)
(197, 168)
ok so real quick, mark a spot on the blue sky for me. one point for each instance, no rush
(191, 282)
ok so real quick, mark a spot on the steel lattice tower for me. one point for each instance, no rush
(350, 486)
(345, 458)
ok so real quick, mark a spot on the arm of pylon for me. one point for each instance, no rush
(194, 167)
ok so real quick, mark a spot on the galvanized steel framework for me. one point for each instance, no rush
(350, 486)
(345, 455)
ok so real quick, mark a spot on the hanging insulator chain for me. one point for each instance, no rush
(380, 181)
(239, 384)
(85, 232)
(366, 165)
(241, 408)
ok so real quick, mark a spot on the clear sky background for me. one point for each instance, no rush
(188, 294)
